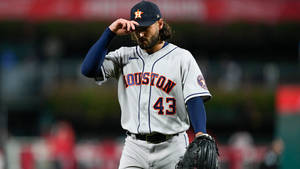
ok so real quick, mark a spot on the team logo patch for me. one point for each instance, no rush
(138, 14)
(201, 82)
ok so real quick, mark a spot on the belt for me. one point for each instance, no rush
(154, 138)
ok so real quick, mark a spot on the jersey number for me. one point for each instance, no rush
(159, 105)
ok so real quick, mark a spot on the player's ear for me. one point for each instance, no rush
(160, 23)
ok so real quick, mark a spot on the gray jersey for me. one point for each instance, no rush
(153, 89)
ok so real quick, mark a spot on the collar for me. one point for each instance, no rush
(166, 43)
(154, 56)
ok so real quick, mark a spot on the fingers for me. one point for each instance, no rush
(135, 23)
(121, 26)
(128, 26)
(132, 26)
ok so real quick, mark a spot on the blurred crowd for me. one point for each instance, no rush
(59, 149)
(29, 73)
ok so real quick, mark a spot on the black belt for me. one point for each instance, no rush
(154, 138)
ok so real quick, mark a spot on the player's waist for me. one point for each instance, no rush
(154, 137)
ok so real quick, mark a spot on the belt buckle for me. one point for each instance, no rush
(153, 140)
(148, 136)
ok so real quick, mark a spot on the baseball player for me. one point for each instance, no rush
(161, 89)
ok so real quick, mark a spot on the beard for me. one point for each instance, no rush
(148, 44)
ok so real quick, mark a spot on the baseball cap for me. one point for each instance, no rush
(145, 13)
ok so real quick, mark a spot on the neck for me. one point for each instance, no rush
(156, 47)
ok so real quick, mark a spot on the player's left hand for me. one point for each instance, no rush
(202, 153)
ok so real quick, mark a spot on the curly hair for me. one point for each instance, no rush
(166, 32)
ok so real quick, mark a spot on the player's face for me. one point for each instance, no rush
(147, 37)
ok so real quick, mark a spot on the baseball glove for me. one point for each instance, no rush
(202, 153)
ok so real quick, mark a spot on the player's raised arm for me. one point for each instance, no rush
(96, 54)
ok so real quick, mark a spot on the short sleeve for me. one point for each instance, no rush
(192, 79)
(110, 67)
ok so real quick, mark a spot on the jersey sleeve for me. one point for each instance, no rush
(192, 79)
(110, 67)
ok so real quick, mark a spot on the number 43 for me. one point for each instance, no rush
(159, 105)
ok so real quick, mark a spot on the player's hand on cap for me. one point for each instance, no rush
(123, 26)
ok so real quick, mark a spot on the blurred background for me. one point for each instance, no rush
(51, 117)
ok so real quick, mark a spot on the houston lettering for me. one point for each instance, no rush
(147, 78)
